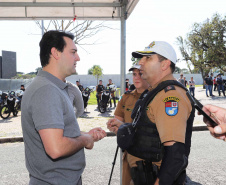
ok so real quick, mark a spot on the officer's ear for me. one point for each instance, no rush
(165, 64)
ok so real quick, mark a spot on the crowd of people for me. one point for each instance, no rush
(212, 83)
(158, 109)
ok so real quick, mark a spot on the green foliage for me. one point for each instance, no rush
(205, 45)
(24, 76)
(96, 71)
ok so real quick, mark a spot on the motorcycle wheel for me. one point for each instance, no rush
(16, 110)
(102, 107)
(5, 112)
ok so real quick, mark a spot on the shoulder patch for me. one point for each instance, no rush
(171, 105)
(170, 87)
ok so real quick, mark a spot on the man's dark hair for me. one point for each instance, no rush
(21, 85)
(100, 80)
(49, 40)
(172, 65)
(77, 81)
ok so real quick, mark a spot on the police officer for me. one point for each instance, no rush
(99, 90)
(164, 119)
(123, 113)
(80, 86)
(112, 93)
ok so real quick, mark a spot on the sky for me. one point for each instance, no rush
(151, 20)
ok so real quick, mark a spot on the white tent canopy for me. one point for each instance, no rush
(65, 9)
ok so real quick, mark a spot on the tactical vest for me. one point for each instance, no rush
(147, 144)
(100, 88)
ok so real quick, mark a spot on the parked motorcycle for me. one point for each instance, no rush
(3, 98)
(105, 99)
(86, 95)
(12, 105)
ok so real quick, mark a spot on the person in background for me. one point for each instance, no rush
(192, 87)
(215, 83)
(112, 93)
(210, 86)
(220, 86)
(181, 79)
(22, 88)
(206, 82)
(54, 144)
(76, 98)
(80, 86)
(99, 90)
(127, 84)
(123, 113)
(185, 82)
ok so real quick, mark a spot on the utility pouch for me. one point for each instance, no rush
(125, 136)
(126, 133)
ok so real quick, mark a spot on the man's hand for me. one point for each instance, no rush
(89, 141)
(97, 133)
(218, 114)
(113, 125)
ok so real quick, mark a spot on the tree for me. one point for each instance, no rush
(82, 30)
(205, 45)
(96, 71)
(37, 70)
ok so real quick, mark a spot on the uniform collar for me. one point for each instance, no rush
(167, 77)
(59, 83)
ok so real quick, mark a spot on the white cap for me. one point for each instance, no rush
(158, 47)
(135, 66)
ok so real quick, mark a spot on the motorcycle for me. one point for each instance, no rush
(12, 105)
(105, 99)
(86, 95)
(3, 98)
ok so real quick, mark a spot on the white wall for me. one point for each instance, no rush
(89, 80)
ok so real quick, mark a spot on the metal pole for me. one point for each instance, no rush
(123, 65)
(42, 27)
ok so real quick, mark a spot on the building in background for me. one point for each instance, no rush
(8, 64)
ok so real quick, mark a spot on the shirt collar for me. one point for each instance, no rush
(53, 79)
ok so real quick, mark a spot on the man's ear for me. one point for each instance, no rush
(165, 64)
(55, 53)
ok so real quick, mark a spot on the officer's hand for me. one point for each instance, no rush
(97, 133)
(113, 125)
(219, 117)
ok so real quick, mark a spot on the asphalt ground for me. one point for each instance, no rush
(206, 162)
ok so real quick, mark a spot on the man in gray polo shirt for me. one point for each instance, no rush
(54, 145)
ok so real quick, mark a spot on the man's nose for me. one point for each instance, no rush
(77, 58)
(141, 61)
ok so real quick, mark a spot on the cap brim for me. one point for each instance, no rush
(139, 54)
(134, 67)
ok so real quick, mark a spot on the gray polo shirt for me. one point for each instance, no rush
(46, 104)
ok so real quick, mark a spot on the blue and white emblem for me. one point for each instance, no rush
(171, 108)
(171, 105)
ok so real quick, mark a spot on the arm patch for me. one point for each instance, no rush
(170, 87)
